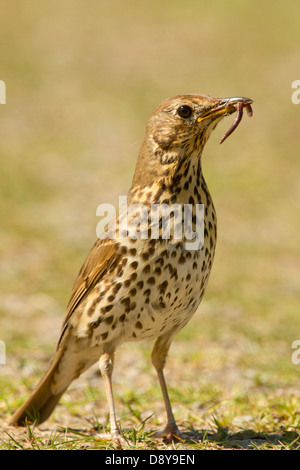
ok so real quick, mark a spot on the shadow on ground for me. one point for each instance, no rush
(245, 439)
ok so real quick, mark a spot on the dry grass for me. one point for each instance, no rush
(81, 80)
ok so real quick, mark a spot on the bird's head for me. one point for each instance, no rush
(184, 118)
(179, 127)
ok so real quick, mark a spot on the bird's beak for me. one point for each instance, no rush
(225, 107)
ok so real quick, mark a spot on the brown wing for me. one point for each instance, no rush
(101, 257)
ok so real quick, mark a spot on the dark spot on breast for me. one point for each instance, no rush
(181, 259)
(134, 264)
(186, 169)
(151, 250)
(160, 261)
(117, 287)
(106, 309)
(120, 271)
(146, 269)
(126, 301)
(162, 287)
(95, 324)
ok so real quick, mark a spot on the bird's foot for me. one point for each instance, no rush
(170, 433)
(114, 436)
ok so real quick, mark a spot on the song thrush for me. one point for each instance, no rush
(140, 287)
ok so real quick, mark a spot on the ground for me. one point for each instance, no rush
(224, 394)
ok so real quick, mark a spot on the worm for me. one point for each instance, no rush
(249, 110)
(238, 118)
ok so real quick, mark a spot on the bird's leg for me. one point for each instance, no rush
(106, 368)
(106, 363)
(159, 355)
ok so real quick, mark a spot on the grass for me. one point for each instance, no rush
(260, 432)
(81, 82)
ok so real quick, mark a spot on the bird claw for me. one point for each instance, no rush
(169, 434)
(114, 436)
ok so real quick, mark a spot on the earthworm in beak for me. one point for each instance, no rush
(238, 118)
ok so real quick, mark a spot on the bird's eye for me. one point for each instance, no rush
(184, 111)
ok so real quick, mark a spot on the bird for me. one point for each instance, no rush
(144, 282)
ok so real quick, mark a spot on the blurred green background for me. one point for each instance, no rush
(81, 78)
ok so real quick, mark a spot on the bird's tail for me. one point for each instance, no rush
(70, 361)
(42, 400)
